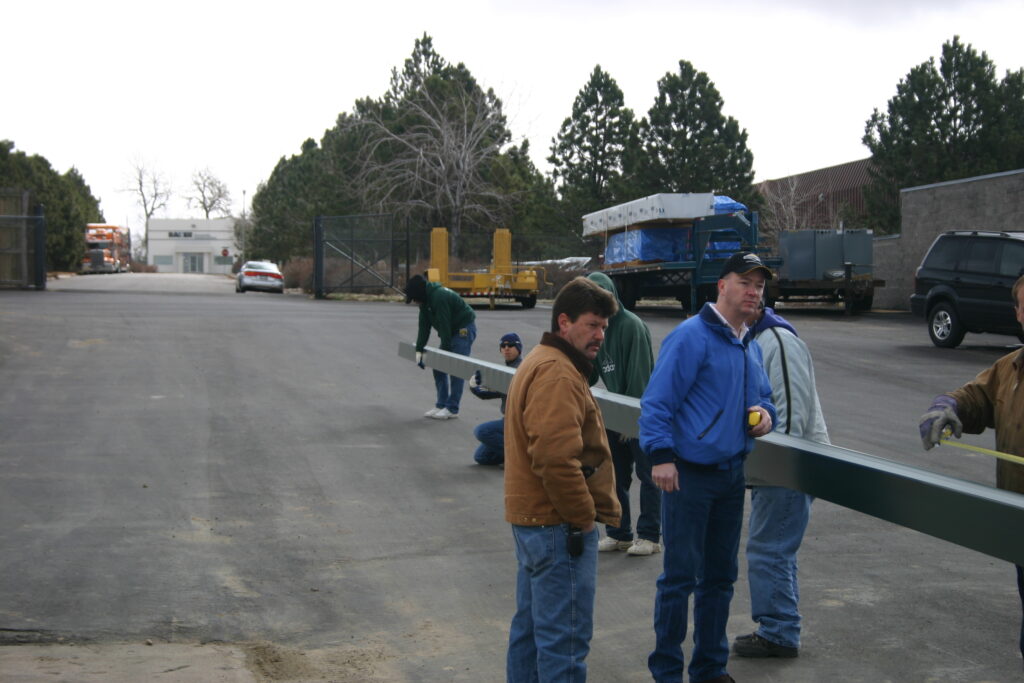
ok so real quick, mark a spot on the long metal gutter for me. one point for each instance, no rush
(966, 513)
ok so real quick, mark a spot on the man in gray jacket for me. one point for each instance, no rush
(779, 516)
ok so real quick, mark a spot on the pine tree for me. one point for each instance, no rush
(689, 144)
(589, 151)
(953, 121)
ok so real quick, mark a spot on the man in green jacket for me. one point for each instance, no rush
(624, 364)
(455, 322)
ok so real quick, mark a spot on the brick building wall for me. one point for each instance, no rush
(990, 202)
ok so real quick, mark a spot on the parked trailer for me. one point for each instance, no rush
(825, 265)
(501, 281)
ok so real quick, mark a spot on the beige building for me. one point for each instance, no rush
(186, 245)
(989, 202)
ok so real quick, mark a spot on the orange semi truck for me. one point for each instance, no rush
(107, 249)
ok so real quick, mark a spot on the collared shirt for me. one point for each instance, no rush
(740, 333)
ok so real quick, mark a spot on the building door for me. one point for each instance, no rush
(192, 263)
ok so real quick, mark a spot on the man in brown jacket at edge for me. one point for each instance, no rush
(992, 400)
(559, 481)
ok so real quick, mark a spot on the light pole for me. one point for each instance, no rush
(244, 225)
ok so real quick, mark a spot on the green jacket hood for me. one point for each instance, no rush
(625, 360)
(606, 283)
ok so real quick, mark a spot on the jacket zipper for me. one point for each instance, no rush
(708, 429)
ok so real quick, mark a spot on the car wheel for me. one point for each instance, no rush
(944, 326)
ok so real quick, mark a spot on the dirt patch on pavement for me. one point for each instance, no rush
(273, 663)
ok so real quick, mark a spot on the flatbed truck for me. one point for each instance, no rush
(687, 252)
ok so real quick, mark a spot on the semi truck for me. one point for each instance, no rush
(674, 246)
(107, 249)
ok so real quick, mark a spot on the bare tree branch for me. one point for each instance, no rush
(209, 194)
(790, 205)
(151, 190)
(435, 157)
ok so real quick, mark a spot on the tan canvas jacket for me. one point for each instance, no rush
(995, 400)
(554, 437)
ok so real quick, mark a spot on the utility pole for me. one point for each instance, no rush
(245, 226)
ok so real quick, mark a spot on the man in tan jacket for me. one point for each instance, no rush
(559, 481)
(992, 400)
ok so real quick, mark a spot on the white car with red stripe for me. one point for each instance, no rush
(259, 275)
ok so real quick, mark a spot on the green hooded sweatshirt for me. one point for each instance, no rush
(625, 360)
(446, 312)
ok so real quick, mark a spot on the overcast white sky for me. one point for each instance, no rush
(235, 86)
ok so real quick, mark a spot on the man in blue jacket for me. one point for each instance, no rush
(707, 399)
(491, 434)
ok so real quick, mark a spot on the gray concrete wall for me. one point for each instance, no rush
(991, 202)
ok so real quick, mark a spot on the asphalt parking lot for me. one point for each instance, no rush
(248, 480)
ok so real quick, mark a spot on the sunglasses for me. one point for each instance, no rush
(506, 345)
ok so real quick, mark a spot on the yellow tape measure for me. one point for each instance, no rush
(977, 449)
(754, 418)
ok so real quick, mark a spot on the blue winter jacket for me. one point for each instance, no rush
(705, 379)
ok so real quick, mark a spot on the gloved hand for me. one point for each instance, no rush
(419, 360)
(474, 381)
(941, 414)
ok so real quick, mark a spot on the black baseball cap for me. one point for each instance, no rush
(742, 262)
(416, 289)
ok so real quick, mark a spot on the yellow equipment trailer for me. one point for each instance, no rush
(501, 281)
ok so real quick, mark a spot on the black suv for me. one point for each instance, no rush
(964, 282)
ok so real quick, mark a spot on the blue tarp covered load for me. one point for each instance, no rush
(649, 244)
(722, 245)
(725, 204)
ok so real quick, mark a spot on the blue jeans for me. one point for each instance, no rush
(491, 436)
(626, 456)
(449, 387)
(701, 525)
(778, 519)
(554, 620)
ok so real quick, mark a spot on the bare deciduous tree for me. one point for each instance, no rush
(209, 194)
(152, 191)
(438, 159)
(790, 205)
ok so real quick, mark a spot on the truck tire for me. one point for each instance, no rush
(944, 326)
(864, 302)
(528, 302)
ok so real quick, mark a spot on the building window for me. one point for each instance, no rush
(179, 234)
(163, 260)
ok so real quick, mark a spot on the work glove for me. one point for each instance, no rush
(940, 415)
(419, 360)
(474, 381)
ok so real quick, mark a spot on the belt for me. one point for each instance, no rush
(730, 464)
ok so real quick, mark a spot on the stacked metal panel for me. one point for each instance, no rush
(663, 207)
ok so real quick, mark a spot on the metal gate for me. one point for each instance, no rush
(22, 242)
(367, 253)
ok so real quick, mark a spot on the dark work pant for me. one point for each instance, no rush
(1020, 589)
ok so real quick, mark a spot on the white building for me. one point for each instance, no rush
(186, 245)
